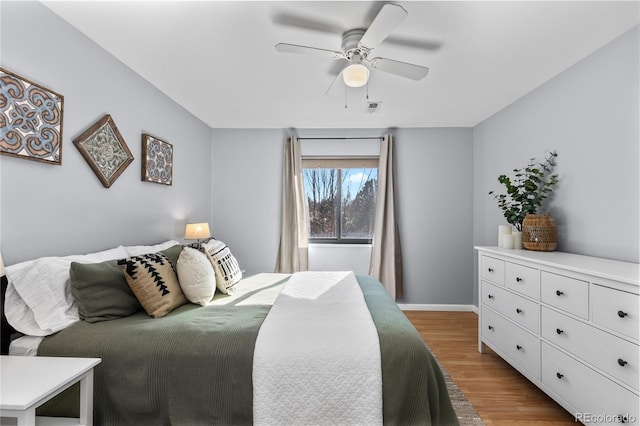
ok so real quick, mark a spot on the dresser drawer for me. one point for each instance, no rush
(523, 279)
(589, 392)
(523, 311)
(519, 345)
(609, 353)
(616, 310)
(565, 293)
(492, 269)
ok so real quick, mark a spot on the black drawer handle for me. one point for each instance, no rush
(490, 327)
(559, 293)
(622, 314)
(559, 331)
(518, 279)
(518, 310)
(559, 375)
(622, 418)
(490, 269)
(490, 296)
(622, 362)
(518, 347)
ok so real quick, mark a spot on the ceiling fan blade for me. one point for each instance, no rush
(336, 88)
(384, 23)
(306, 50)
(403, 69)
(430, 45)
(294, 21)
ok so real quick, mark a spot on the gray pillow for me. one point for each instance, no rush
(101, 291)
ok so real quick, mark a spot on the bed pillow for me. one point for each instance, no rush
(101, 291)
(226, 267)
(154, 282)
(38, 298)
(173, 253)
(196, 276)
(139, 250)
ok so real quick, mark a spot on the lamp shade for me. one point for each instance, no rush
(197, 231)
(355, 75)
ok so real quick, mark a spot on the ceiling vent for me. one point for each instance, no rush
(373, 106)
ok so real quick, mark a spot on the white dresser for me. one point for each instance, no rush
(568, 323)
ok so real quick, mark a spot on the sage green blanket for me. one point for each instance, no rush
(194, 366)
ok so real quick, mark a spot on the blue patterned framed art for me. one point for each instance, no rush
(157, 160)
(104, 149)
(30, 120)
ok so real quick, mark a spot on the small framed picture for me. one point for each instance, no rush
(104, 149)
(157, 160)
(30, 120)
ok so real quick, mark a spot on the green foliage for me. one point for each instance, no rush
(527, 190)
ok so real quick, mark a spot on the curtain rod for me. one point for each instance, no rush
(342, 139)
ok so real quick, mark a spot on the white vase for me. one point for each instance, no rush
(507, 241)
(502, 231)
(517, 240)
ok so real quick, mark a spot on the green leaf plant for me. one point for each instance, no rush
(527, 190)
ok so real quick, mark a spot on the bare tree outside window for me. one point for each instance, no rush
(341, 203)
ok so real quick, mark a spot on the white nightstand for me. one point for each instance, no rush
(26, 382)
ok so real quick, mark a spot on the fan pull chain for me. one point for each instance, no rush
(345, 97)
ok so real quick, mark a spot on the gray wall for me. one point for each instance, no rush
(434, 180)
(232, 178)
(56, 210)
(590, 115)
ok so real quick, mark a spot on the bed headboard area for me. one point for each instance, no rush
(6, 330)
(35, 293)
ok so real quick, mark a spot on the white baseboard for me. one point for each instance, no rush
(430, 307)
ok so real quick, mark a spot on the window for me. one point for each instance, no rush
(341, 199)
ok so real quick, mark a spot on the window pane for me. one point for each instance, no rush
(358, 202)
(321, 190)
(340, 201)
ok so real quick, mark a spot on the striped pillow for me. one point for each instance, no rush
(227, 270)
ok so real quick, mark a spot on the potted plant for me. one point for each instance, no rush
(525, 193)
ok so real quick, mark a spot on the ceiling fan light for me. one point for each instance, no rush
(355, 75)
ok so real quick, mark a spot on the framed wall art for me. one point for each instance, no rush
(30, 120)
(157, 160)
(104, 149)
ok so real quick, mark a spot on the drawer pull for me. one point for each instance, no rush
(518, 279)
(559, 375)
(490, 296)
(559, 331)
(622, 362)
(490, 327)
(622, 418)
(518, 310)
(559, 293)
(622, 314)
(518, 347)
(490, 269)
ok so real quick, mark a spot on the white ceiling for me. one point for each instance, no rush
(217, 58)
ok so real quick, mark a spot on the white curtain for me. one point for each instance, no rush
(386, 256)
(293, 254)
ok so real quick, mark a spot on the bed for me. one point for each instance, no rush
(308, 348)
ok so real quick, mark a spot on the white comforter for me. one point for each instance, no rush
(317, 355)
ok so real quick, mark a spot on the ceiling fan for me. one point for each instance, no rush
(357, 45)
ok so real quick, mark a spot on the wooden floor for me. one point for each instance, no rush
(500, 394)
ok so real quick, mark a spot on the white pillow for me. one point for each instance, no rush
(140, 250)
(38, 299)
(227, 270)
(196, 276)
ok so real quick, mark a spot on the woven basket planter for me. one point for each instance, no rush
(539, 232)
